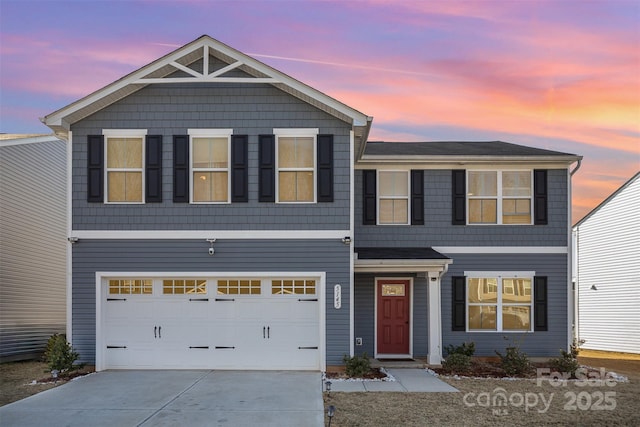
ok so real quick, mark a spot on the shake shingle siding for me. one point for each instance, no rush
(546, 343)
(438, 231)
(91, 256)
(250, 110)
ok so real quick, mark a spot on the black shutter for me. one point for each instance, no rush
(325, 168)
(540, 303)
(95, 171)
(459, 300)
(181, 168)
(369, 197)
(267, 168)
(153, 169)
(540, 196)
(239, 168)
(417, 197)
(459, 196)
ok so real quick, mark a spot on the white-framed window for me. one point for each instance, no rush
(499, 301)
(125, 158)
(210, 157)
(499, 197)
(393, 197)
(296, 165)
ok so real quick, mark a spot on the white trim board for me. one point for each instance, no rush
(209, 234)
(502, 249)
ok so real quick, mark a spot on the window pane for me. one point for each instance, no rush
(295, 186)
(483, 183)
(516, 211)
(295, 152)
(482, 317)
(483, 290)
(393, 290)
(210, 187)
(210, 152)
(483, 211)
(124, 152)
(394, 184)
(124, 186)
(516, 291)
(516, 183)
(516, 318)
(393, 211)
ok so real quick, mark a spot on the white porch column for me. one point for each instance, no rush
(434, 356)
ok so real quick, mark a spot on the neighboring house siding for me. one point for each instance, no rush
(365, 312)
(609, 259)
(32, 246)
(90, 256)
(438, 230)
(540, 343)
(251, 110)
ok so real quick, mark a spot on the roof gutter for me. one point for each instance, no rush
(577, 166)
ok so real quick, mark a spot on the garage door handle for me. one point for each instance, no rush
(263, 330)
(220, 347)
(116, 299)
(199, 346)
(116, 346)
(155, 330)
(225, 299)
(159, 331)
(307, 348)
(268, 337)
(312, 299)
(198, 299)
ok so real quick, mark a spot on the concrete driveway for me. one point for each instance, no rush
(175, 398)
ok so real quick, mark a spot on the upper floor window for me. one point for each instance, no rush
(125, 153)
(499, 197)
(296, 165)
(393, 197)
(210, 159)
(499, 301)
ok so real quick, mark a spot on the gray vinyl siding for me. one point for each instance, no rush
(32, 246)
(536, 344)
(90, 256)
(249, 109)
(364, 313)
(438, 231)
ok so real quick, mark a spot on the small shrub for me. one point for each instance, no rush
(568, 361)
(457, 362)
(514, 361)
(357, 366)
(468, 349)
(59, 354)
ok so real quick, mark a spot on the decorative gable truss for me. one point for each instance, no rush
(206, 60)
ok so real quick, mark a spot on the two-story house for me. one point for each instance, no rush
(224, 215)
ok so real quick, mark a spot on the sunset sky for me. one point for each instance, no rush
(561, 75)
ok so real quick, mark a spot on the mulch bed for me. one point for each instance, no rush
(373, 374)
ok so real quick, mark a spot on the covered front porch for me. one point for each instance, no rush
(397, 303)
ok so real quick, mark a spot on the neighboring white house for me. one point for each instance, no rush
(33, 243)
(607, 272)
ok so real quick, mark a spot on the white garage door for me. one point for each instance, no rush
(211, 323)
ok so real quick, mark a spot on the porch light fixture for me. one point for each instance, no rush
(72, 240)
(331, 410)
(593, 288)
(346, 240)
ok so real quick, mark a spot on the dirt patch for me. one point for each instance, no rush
(373, 374)
(23, 379)
(527, 403)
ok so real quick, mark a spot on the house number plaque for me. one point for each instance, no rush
(337, 296)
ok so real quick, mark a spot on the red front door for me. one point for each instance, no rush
(393, 316)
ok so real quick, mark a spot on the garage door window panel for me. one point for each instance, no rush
(184, 286)
(239, 287)
(293, 287)
(130, 287)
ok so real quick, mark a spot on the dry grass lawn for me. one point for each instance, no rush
(548, 404)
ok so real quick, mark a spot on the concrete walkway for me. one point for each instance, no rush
(407, 380)
(175, 398)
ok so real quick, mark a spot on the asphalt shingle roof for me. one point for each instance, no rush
(399, 253)
(455, 148)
